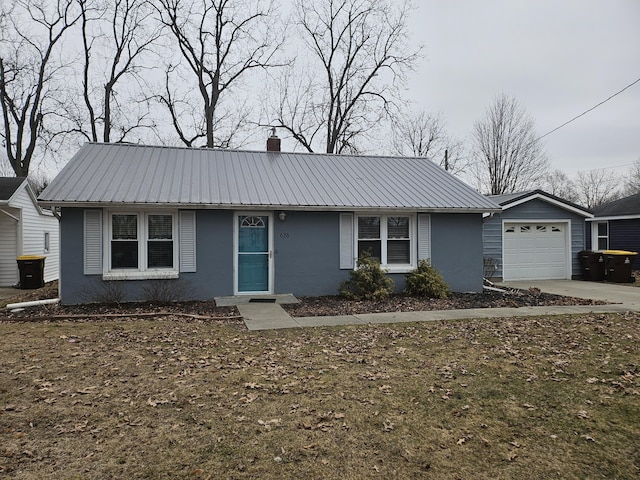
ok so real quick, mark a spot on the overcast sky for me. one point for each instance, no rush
(557, 57)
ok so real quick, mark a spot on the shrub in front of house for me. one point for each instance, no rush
(426, 281)
(367, 282)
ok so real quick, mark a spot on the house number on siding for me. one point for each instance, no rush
(284, 235)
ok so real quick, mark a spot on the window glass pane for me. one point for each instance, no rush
(602, 229)
(602, 244)
(398, 252)
(368, 227)
(124, 254)
(398, 227)
(160, 254)
(160, 227)
(124, 227)
(373, 247)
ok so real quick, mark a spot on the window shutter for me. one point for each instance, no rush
(187, 241)
(92, 242)
(424, 237)
(346, 240)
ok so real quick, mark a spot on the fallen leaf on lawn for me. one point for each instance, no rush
(387, 425)
(583, 414)
(87, 390)
(587, 438)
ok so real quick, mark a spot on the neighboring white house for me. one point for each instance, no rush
(25, 229)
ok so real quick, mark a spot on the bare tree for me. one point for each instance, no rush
(508, 157)
(597, 187)
(425, 135)
(115, 38)
(219, 43)
(28, 66)
(632, 184)
(38, 182)
(348, 78)
(5, 167)
(559, 184)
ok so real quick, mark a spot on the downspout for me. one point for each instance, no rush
(55, 213)
(34, 303)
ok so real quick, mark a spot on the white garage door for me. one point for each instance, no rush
(535, 251)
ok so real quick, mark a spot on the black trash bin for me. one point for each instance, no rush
(618, 265)
(31, 269)
(592, 264)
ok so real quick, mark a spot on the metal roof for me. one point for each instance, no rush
(107, 174)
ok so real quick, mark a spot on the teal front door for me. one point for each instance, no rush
(254, 254)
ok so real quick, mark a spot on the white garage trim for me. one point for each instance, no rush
(535, 249)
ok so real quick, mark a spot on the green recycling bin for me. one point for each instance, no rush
(618, 265)
(31, 269)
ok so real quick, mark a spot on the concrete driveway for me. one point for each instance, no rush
(626, 294)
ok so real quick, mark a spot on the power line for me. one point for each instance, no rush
(587, 111)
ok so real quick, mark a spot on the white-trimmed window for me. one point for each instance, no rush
(47, 242)
(388, 238)
(601, 234)
(142, 241)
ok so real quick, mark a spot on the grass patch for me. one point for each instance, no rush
(544, 397)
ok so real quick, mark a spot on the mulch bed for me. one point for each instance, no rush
(334, 305)
(208, 311)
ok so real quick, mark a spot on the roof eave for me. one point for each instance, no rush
(202, 206)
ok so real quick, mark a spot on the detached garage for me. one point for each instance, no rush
(537, 236)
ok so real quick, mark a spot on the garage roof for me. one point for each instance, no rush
(512, 199)
(104, 174)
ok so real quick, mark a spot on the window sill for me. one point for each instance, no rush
(136, 275)
(402, 269)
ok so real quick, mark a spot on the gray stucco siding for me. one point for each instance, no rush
(533, 211)
(306, 262)
(456, 250)
(72, 280)
(214, 255)
(307, 253)
(213, 276)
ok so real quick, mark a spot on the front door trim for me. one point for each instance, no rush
(236, 233)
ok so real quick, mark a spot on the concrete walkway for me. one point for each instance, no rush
(266, 316)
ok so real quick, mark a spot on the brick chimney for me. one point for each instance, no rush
(273, 142)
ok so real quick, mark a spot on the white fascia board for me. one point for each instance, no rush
(614, 217)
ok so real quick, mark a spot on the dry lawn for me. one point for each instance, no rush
(555, 397)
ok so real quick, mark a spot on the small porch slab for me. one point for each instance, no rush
(235, 300)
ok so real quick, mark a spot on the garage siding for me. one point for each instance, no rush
(533, 211)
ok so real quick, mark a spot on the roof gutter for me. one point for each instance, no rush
(318, 208)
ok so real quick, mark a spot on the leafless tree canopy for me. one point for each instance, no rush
(559, 184)
(508, 157)
(348, 77)
(597, 187)
(29, 68)
(217, 43)
(425, 135)
(632, 185)
(117, 38)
